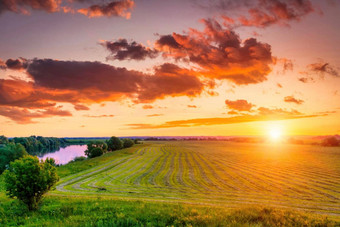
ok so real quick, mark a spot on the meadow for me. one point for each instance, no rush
(213, 183)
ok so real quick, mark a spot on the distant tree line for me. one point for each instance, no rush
(35, 145)
(17, 147)
(98, 148)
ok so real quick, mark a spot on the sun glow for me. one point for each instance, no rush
(275, 133)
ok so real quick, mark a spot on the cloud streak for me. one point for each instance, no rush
(25, 116)
(119, 8)
(264, 114)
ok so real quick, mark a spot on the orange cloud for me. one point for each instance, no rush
(293, 100)
(81, 83)
(219, 53)
(239, 105)
(264, 13)
(114, 8)
(80, 107)
(145, 107)
(154, 115)
(25, 116)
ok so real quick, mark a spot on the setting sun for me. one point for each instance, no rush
(275, 134)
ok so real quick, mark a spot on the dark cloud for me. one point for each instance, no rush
(219, 53)
(192, 106)
(122, 50)
(322, 68)
(24, 6)
(82, 83)
(114, 8)
(293, 100)
(264, 13)
(170, 80)
(16, 64)
(306, 79)
(239, 105)
(83, 76)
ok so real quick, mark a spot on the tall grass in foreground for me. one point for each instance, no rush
(81, 211)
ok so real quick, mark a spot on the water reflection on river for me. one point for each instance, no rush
(66, 154)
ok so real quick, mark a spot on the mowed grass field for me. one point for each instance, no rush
(185, 183)
(218, 173)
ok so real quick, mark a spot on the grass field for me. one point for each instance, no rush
(219, 173)
(167, 183)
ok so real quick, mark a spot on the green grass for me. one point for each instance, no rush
(192, 183)
(75, 167)
(74, 211)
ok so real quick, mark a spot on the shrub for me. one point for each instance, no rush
(77, 159)
(114, 143)
(331, 142)
(127, 143)
(95, 149)
(28, 180)
(94, 152)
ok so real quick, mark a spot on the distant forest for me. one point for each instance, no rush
(36, 145)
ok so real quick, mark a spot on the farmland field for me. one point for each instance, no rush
(218, 173)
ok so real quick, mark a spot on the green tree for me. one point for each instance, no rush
(95, 149)
(28, 180)
(114, 143)
(3, 140)
(127, 143)
(9, 153)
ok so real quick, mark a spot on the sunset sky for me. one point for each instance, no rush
(169, 68)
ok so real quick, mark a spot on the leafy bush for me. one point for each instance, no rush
(95, 149)
(9, 153)
(127, 143)
(94, 152)
(331, 142)
(114, 143)
(28, 180)
(77, 159)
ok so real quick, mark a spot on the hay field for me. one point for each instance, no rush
(219, 173)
